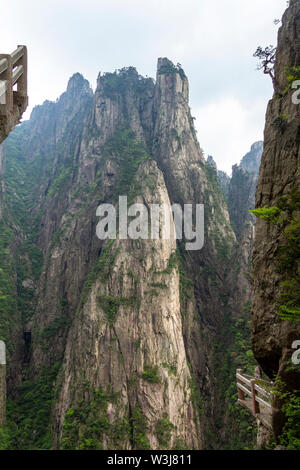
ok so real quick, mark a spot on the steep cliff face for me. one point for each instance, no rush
(127, 339)
(122, 343)
(234, 338)
(276, 257)
(144, 373)
(224, 181)
(241, 198)
(252, 160)
(242, 187)
(239, 191)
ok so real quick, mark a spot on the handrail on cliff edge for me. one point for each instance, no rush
(255, 395)
(2, 383)
(13, 89)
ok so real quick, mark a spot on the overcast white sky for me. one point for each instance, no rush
(213, 40)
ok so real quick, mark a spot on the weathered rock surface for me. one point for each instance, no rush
(272, 337)
(242, 187)
(134, 322)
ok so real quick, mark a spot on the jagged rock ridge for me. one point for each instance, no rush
(120, 334)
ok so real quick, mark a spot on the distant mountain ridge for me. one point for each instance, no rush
(239, 189)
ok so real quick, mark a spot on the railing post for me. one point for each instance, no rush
(241, 395)
(2, 383)
(20, 96)
(255, 404)
(7, 109)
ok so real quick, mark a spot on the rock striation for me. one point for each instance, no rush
(116, 344)
(273, 336)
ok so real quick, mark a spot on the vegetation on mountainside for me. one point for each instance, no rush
(28, 417)
(129, 153)
(290, 436)
(235, 340)
(285, 216)
(22, 259)
(292, 74)
(171, 68)
(123, 80)
(150, 374)
(86, 424)
(8, 300)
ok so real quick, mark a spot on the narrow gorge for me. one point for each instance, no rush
(134, 344)
(133, 325)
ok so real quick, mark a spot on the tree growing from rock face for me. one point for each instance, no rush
(267, 57)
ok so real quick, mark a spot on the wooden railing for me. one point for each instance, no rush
(255, 395)
(13, 89)
(2, 383)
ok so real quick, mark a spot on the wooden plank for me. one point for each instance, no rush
(263, 402)
(241, 395)
(17, 54)
(7, 107)
(2, 353)
(17, 72)
(3, 88)
(265, 415)
(2, 393)
(248, 376)
(243, 379)
(3, 65)
(22, 82)
(241, 387)
(255, 405)
(2, 383)
(264, 383)
(262, 391)
(13, 71)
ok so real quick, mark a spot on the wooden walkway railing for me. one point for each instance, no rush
(13, 89)
(255, 395)
(2, 383)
